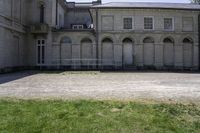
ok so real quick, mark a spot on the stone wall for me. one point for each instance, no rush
(13, 43)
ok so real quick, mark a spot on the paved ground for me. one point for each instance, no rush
(182, 87)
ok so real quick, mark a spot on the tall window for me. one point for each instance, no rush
(41, 13)
(40, 51)
(148, 23)
(128, 23)
(168, 24)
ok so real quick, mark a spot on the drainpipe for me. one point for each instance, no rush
(199, 38)
(56, 12)
(97, 37)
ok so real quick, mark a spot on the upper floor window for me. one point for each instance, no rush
(41, 13)
(128, 23)
(77, 27)
(187, 24)
(148, 23)
(168, 24)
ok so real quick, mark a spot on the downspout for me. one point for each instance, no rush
(60, 49)
(97, 38)
(199, 38)
(56, 12)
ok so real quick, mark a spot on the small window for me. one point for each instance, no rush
(168, 23)
(148, 23)
(76, 27)
(43, 42)
(128, 23)
(38, 42)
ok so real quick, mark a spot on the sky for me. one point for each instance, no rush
(106, 1)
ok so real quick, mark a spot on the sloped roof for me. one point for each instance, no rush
(149, 5)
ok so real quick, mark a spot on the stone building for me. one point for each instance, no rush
(66, 35)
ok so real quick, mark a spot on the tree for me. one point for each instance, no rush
(195, 1)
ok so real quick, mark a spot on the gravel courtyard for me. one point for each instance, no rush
(161, 86)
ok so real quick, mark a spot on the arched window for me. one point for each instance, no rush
(187, 40)
(86, 40)
(127, 40)
(168, 40)
(148, 40)
(66, 40)
(107, 40)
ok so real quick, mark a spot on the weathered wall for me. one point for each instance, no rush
(110, 25)
(13, 43)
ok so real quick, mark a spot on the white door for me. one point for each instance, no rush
(168, 54)
(66, 53)
(107, 54)
(148, 54)
(117, 54)
(76, 55)
(128, 54)
(86, 53)
(187, 55)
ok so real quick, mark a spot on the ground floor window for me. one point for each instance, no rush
(40, 51)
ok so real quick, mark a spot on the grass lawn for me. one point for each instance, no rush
(57, 116)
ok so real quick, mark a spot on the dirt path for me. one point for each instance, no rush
(182, 87)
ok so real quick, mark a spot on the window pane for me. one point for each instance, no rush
(128, 23)
(43, 42)
(38, 42)
(168, 24)
(43, 54)
(148, 23)
(38, 54)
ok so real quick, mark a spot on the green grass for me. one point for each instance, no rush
(57, 116)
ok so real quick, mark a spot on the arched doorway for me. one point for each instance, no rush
(86, 51)
(187, 52)
(66, 51)
(168, 52)
(107, 52)
(148, 47)
(127, 51)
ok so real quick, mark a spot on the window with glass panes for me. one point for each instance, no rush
(148, 23)
(168, 23)
(128, 23)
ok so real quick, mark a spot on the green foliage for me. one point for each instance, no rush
(57, 116)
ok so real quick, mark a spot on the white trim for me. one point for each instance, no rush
(152, 20)
(133, 23)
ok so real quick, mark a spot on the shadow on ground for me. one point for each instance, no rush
(8, 77)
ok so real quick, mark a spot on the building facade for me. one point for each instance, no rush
(66, 35)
